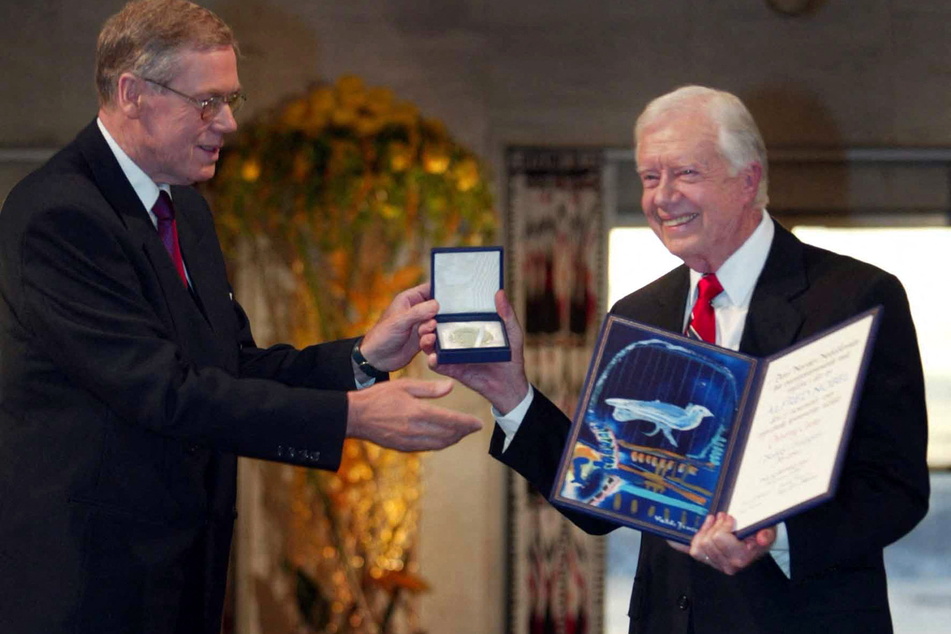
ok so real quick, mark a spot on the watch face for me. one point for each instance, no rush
(790, 7)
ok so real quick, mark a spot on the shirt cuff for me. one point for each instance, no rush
(363, 384)
(509, 423)
(780, 549)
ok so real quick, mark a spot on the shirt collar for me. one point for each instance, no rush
(145, 188)
(739, 273)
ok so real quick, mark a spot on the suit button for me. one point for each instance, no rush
(683, 602)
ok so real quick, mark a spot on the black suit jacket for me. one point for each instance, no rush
(123, 402)
(838, 577)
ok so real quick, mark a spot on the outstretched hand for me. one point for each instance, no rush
(502, 384)
(393, 340)
(717, 546)
(396, 415)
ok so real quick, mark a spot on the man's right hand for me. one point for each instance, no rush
(502, 384)
(394, 414)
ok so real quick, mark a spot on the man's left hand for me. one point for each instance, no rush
(394, 339)
(717, 546)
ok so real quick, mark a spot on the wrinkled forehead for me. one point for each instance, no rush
(214, 70)
(678, 139)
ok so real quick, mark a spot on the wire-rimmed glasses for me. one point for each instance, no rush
(211, 106)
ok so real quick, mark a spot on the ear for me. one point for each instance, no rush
(129, 95)
(752, 174)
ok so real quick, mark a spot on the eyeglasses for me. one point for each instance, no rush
(211, 106)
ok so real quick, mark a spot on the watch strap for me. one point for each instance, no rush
(365, 366)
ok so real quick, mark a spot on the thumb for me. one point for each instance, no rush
(427, 389)
(503, 306)
(765, 537)
(417, 313)
(512, 328)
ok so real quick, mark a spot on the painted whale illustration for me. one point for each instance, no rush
(665, 416)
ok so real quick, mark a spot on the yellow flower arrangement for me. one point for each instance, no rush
(348, 187)
(352, 186)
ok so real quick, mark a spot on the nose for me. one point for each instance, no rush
(224, 119)
(665, 191)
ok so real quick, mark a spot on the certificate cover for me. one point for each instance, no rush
(669, 429)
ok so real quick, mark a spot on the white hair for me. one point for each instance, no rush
(738, 137)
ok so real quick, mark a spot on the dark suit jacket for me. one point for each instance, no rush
(838, 578)
(123, 402)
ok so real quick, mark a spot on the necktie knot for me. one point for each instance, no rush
(168, 231)
(162, 208)
(708, 287)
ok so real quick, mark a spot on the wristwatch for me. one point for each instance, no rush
(365, 366)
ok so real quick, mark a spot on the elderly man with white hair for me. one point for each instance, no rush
(747, 284)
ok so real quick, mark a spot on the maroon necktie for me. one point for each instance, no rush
(702, 323)
(168, 231)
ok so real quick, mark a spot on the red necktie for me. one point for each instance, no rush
(702, 321)
(168, 231)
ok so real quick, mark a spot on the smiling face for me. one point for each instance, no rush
(173, 144)
(700, 207)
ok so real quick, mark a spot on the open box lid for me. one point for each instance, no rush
(465, 279)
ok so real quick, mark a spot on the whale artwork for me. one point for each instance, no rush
(666, 417)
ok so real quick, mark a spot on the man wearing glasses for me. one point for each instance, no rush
(129, 379)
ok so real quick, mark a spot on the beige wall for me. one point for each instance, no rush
(865, 73)
(498, 72)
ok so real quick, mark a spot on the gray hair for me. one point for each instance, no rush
(738, 137)
(146, 38)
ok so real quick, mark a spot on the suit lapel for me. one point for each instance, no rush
(660, 303)
(120, 195)
(190, 242)
(775, 320)
(209, 281)
(671, 305)
(113, 184)
(122, 198)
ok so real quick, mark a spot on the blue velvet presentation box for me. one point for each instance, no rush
(464, 282)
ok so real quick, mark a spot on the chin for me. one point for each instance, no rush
(203, 174)
(678, 247)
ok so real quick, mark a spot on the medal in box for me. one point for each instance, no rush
(468, 328)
